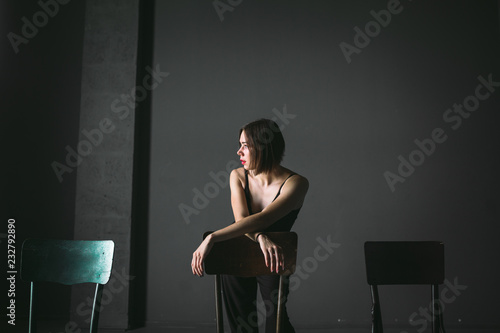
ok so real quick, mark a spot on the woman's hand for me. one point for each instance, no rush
(200, 254)
(273, 254)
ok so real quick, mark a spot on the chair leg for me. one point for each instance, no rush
(437, 311)
(441, 322)
(376, 313)
(96, 308)
(32, 320)
(218, 305)
(279, 318)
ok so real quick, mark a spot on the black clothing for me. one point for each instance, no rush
(283, 224)
(240, 300)
(240, 293)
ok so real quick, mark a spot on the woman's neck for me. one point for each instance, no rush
(267, 178)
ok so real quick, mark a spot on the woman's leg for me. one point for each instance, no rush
(269, 289)
(239, 295)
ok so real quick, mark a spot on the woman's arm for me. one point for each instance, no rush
(291, 198)
(238, 199)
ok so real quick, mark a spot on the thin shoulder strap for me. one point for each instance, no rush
(247, 193)
(279, 191)
(246, 180)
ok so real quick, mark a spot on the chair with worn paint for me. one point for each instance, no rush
(66, 262)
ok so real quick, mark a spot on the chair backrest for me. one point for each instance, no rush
(67, 261)
(404, 262)
(243, 257)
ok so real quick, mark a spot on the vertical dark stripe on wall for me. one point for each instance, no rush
(140, 198)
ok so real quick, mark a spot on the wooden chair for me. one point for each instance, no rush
(394, 263)
(243, 257)
(66, 262)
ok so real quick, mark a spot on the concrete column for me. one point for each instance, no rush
(106, 148)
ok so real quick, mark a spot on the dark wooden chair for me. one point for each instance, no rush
(400, 263)
(243, 257)
(66, 262)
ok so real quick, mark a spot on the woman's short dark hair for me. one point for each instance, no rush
(266, 144)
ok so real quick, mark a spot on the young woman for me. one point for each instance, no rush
(265, 196)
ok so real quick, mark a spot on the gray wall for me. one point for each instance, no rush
(347, 125)
(104, 185)
(350, 123)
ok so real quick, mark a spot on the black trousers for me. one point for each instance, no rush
(240, 301)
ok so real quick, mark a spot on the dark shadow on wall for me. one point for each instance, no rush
(39, 117)
(142, 142)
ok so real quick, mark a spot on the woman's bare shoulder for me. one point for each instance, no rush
(294, 191)
(300, 180)
(238, 175)
(297, 180)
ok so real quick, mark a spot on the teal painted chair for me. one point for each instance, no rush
(66, 262)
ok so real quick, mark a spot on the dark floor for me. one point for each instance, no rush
(58, 327)
(304, 330)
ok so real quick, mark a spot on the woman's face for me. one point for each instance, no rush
(244, 152)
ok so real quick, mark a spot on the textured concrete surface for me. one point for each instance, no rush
(104, 177)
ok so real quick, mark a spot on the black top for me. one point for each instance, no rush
(283, 224)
